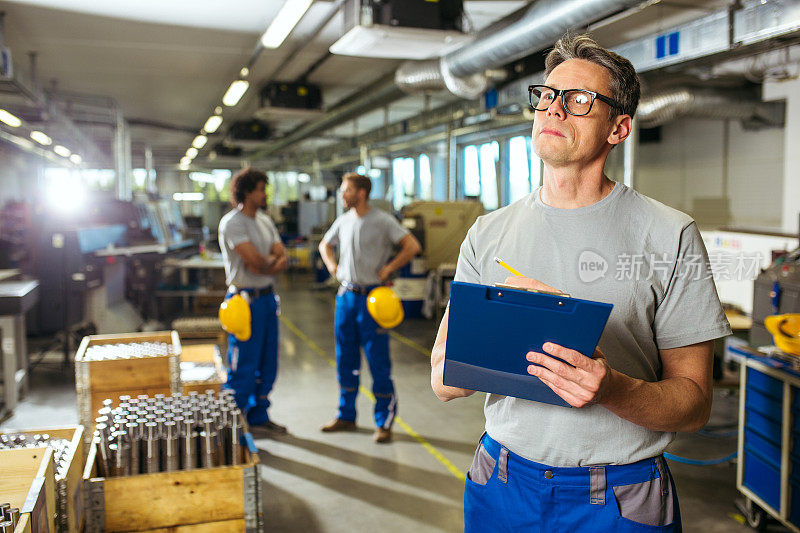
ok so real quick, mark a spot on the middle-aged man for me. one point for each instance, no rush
(597, 466)
(365, 238)
(253, 255)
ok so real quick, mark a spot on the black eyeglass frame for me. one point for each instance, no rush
(561, 92)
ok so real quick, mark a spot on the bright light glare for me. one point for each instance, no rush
(188, 196)
(63, 151)
(303, 178)
(285, 21)
(191, 153)
(41, 138)
(75, 158)
(199, 141)
(64, 189)
(235, 92)
(9, 119)
(212, 124)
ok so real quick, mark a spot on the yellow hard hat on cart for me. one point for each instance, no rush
(234, 315)
(785, 330)
(385, 307)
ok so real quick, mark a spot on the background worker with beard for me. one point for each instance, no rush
(365, 238)
(597, 466)
(253, 254)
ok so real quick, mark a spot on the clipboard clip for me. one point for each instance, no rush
(538, 291)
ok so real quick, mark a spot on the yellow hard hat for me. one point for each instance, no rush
(385, 307)
(785, 330)
(234, 315)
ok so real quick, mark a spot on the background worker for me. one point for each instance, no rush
(253, 254)
(597, 466)
(366, 238)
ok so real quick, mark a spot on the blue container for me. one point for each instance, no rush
(764, 383)
(762, 478)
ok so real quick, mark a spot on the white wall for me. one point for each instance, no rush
(694, 160)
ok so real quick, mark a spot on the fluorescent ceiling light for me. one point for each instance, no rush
(75, 158)
(191, 153)
(235, 92)
(41, 138)
(285, 21)
(199, 141)
(188, 196)
(244, 72)
(9, 119)
(62, 150)
(303, 178)
(212, 124)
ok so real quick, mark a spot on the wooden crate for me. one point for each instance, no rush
(69, 489)
(203, 353)
(28, 482)
(24, 524)
(225, 498)
(96, 381)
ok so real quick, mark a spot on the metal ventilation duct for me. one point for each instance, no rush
(666, 105)
(521, 33)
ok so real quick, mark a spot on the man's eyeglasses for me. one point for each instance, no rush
(576, 102)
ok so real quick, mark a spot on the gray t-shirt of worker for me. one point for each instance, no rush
(646, 259)
(236, 228)
(365, 244)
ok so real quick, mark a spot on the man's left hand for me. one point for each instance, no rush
(583, 383)
(384, 273)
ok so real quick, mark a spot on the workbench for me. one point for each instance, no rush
(16, 298)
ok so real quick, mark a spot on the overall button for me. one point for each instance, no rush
(548, 474)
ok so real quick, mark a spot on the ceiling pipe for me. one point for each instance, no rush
(525, 31)
(667, 105)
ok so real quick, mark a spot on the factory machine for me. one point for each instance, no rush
(776, 291)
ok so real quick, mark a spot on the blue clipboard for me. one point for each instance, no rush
(490, 329)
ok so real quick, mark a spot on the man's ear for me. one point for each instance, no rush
(623, 124)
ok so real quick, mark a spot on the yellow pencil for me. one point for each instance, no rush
(508, 267)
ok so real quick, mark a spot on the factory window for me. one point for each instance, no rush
(140, 178)
(425, 185)
(402, 181)
(519, 174)
(472, 173)
(480, 173)
(490, 153)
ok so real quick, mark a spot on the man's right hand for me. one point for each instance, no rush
(529, 283)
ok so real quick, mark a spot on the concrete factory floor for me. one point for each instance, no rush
(321, 482)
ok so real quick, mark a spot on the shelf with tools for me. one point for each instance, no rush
(28, 484)
(155, 461)
(68, 455)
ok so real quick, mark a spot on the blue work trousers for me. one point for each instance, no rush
(507, 493)
(354, 327)
(253, 364)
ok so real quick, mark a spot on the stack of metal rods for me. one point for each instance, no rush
(131, 350)
(9, 517)
(143, 435)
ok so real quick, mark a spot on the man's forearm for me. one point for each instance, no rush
(673, 404)
(328, 258)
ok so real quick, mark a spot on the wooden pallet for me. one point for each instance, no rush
(208, 500)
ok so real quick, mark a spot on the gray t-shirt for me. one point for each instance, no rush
(365, 244)
(236, 228)
(646, 259)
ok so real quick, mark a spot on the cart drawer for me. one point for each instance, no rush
(764, 383)
(767, 450)
(763, 404)
(767, 428)
(762, 478)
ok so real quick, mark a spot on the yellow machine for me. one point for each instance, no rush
(234, 315)
(385, 307)
(445, 225)
(785, 330)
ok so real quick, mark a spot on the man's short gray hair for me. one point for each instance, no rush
(625, 87)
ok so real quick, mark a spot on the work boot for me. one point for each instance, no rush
(382, 435)
(337, 424)
(272, 426)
